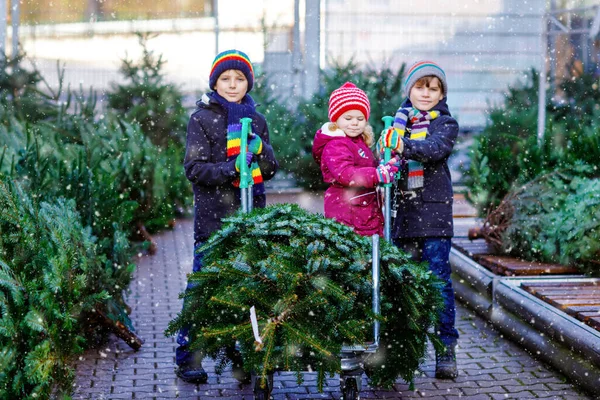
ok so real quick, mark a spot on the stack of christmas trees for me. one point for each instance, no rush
(554, 218)
(309, 280)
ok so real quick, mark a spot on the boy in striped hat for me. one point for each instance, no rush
(212, 164)
(423, 135)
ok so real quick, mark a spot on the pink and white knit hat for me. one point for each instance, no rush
(348, 97)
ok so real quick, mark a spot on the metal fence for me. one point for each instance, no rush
(483, 49)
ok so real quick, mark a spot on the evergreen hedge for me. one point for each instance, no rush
(77, 183)
(507, 153)
(541, 199)
(51, 277)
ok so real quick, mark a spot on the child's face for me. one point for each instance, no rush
(426, 96)
(232, 85)
(352, 122)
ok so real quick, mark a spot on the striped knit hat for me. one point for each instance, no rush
(231, 59)
(348, 97)
(421, 69)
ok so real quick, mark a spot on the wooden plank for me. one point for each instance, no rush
(594, 323)
(473, 248)
(590, 319)
(590, 300)
(580, 309)
(594, 283)
(511, 266)
(579, 301)
(566, 294)
(591, 314)
(550, 290)
(564, 303)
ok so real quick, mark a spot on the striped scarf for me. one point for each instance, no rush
(420, 125)
(234, 135)
(234, 144)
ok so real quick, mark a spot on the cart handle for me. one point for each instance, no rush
(246, 180)
(387, 152)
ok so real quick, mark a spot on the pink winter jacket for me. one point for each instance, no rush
(348, 166)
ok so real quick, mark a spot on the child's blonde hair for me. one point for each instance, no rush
(368, 136)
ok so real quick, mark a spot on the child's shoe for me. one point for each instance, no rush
(445, 364)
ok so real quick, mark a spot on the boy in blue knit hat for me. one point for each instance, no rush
(423, 136)
(212, 164)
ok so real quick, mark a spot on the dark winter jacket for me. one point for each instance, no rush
(206, 166)
(427, 212)
(348, 165)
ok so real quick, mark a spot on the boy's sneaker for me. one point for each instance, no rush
(445, 364)
(192, 374)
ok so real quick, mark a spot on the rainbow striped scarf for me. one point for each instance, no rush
(420, 128)
(235, 112)
(234, 143)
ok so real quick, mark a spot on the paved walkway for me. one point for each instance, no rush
(490, 367)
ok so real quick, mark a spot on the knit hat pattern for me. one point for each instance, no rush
(231, 59)
(348, 97)
(421, 69)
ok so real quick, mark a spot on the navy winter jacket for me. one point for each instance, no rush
(427, 212)
(206, 166)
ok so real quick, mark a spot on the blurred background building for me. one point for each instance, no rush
(484, 45)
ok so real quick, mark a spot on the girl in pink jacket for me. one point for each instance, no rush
(341, 148)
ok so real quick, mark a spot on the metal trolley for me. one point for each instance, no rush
(352, 357)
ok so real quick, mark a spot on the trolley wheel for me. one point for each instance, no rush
(350, 390)
(262, 393)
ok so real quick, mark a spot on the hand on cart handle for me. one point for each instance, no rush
(255, 144)
(385, 172)
(240, 159)
(390, 139)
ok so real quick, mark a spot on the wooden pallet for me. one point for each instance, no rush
(472, 248)
(485, 255)
(581, 300)
(511, 266)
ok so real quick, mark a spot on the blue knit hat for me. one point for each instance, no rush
(421, 69)
(231, 59)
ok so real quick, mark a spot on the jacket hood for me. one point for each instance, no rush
(207, 101)
(441, 107)
(322, 137)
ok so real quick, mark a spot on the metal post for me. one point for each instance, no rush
(541, 123)
(216, 15)
(93, 10)
(325, 35)
(387, 209)
(296, 55)
(3, 21)
(312, 40)
(16, 16)
(376, 301)
(246, 179)
(551, 48)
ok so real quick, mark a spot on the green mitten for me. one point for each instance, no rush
(255, 144)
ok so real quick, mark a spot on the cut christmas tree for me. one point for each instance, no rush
(554, 218)
(309, 280)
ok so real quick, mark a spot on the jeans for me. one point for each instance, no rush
(436, 252)
(183, 357)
